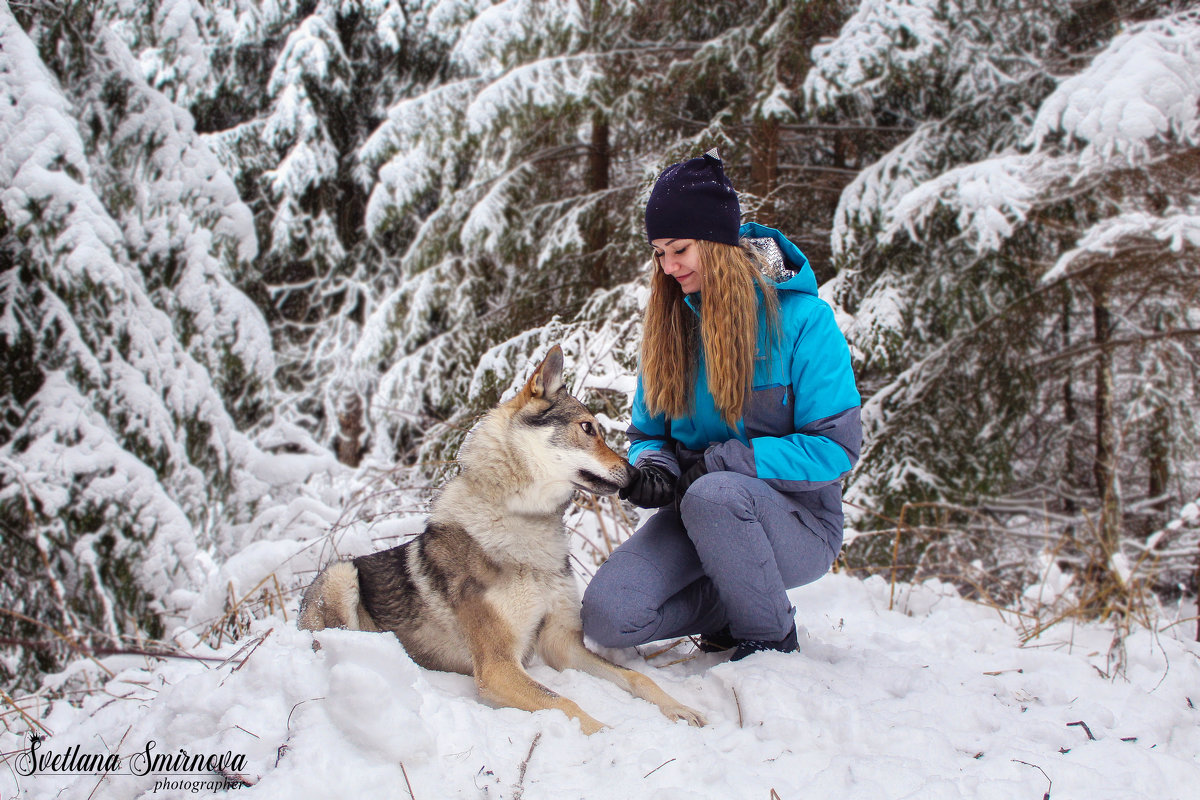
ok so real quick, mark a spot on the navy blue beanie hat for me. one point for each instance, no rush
(694, 200)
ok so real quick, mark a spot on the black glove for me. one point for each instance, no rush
(652, 487)
(688, 478)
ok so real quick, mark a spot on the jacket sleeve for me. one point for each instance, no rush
(650, 440)
(826, 417)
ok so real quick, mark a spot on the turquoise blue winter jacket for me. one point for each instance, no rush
(801, 431)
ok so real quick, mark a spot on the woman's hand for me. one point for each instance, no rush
(652, 487)
(696, 471)
(687, 479)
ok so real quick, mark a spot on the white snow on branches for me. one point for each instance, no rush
(1142, 88)
(990, 198)
(882, 36)
(1107, 236)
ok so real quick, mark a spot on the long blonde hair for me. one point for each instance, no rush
(727, 329)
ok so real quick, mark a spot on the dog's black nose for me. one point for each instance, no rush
(629, 474)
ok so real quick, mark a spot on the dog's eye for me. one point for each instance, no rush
(588, 428)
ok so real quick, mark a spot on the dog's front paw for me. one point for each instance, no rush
(590, 725)
(680, 711)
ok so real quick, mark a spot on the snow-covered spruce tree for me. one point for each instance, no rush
(1126, 133)
(464, 171)
(315, 210)
(286, 92)
(965, 78)
(519, 181)
(337, 73)
(120, 331)
(213, 57)
(998, 379)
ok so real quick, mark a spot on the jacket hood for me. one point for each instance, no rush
(804, 280)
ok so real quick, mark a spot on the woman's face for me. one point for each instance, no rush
(680, 259)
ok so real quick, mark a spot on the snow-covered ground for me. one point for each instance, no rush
(934, 699)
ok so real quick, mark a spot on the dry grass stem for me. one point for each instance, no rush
(235, 606)
(279, 595)
(257, 644)
(30, 721)
(1035, 577)
(519, 788)
(1049, 783)
(64, 638)
(666, 649)
(683, 660)
(656, 769)
(407, 783)
(105, 775)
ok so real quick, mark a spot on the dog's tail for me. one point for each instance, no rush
(333, 601)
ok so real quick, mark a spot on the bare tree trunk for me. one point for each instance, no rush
(1158, 456)
(350, 431)
(764, 167)
(1196, 588)
(1070, 412)
(1158, 451)
(1104, 468)
(599, 162)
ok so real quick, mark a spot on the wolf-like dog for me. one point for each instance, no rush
(489, 581)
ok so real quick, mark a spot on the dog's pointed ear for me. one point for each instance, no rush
(547, 379)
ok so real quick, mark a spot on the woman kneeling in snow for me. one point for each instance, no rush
(746, 418)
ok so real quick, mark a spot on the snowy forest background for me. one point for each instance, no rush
(262, 264)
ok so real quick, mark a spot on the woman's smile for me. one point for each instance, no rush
(680, 259)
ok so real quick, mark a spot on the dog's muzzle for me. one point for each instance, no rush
(603, 484)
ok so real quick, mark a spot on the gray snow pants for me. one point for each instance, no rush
(727, 557)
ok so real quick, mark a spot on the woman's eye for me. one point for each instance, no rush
(657, 254)
(681, 251)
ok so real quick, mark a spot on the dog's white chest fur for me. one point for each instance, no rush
(534, 560)
(507, 533)
(525, 598)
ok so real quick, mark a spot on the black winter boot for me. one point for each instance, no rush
(717, 642)
(787, 644)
